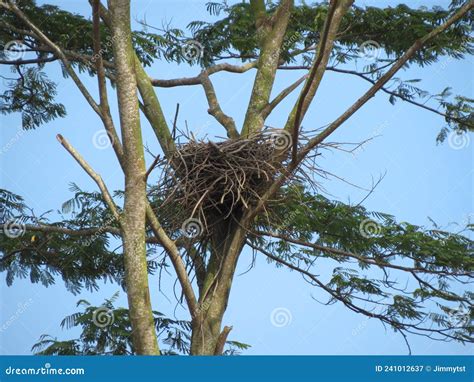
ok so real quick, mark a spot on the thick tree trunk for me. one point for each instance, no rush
(133, 224)
(207, 328)
(226, 246)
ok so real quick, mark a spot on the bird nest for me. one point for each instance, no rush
(208, 182)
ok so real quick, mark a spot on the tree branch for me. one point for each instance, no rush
(335, 14)
(176, 260)
(356, 106)
(96, 177)
(362, 259)
(401, 327)
(58, 52)
(271, 36)
(151, 105)
(187, 81)
(82, 232)
(281, 96)
(395, 94)
(214, 107)
(101, 78)
(221, 340)
(417, 45)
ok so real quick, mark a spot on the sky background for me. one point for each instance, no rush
(422, 180)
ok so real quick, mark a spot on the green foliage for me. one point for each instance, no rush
(460, 114)
(33, 96)
(233, 35)
(416, 267)
(405, 275)
(394, 29)
(42, 256)
(106, 330)
(409, 275)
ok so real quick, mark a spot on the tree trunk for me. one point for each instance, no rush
(226, 246)
(133, 224)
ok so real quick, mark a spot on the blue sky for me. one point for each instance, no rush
(422, 180)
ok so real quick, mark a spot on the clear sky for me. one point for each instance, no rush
(422, 180)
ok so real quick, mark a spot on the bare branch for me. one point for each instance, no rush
(214, 107)
(96, 177)
(281, 96)
(101, 78)
(335, 14)
(176, 260)
(29, 61)
(151, 105)
(187, 81)
(221, 340)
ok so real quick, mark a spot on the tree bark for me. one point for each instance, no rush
(133, 223)
(226, 246)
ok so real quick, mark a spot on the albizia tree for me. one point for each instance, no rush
(253, 190)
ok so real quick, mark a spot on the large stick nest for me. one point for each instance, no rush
(208, 182)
